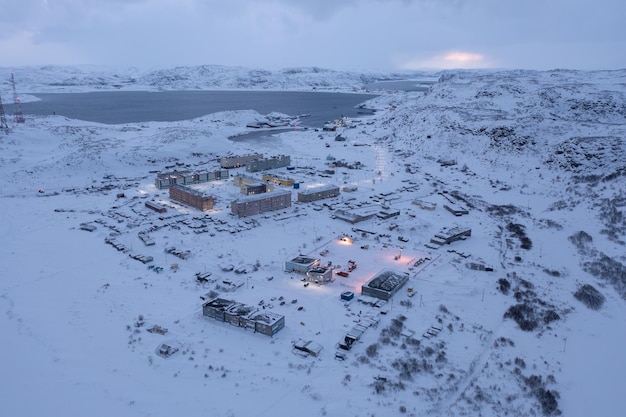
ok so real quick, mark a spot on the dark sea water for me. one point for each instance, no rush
(119, 107)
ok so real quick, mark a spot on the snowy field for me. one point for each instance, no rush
(524, 317)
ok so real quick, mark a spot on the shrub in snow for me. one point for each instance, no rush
(519, 231)
(524, 316)
(406, 303)
(428, 351)
(407, 367)
(590, 297)
(396, 325)
(547, 398)
(609, 269)
(504, 286)
(580, 240)
(550, 316)
(372, 350)
(548, 401)
(379, 386)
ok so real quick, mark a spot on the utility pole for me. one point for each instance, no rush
(3, 119)
(19, 116)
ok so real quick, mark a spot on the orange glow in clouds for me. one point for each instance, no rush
(448, 60)
(463, 57)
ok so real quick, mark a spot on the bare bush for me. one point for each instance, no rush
(372, 350)
(589, 296)
(609, 269)
(504, 286)
(548, 399)
(524, 316)
(519, 231)
(581, 239)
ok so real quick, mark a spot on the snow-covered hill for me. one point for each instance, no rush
(524, 317)
(95, 78)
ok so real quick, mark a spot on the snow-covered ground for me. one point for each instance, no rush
(537, 158)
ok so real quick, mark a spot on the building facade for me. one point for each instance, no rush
(285, 182)
(319, 275)
(242, 315)
(254, 188)
(261, 203)
(239, 161)
(191, 197)
(168, 179)
(155, 206)
(318, 193)
(279, 161)
(384, 284)
(301, 264)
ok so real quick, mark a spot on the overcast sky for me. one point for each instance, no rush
(339, 34)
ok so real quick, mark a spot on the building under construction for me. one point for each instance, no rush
(191, 197)
(168, 179)
(260, 203)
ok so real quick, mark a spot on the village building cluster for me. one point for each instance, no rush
(271, 192)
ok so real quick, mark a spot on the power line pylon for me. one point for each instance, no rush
(19, 116)
(3, 119)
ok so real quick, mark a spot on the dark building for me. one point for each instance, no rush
(318, 193)
(241, 315)
(274, 162)
(255, 188)
(167, 179)
(191, 197)
(449, 235)
(261, 203)
(385, 284)
(239, 161)
(155, 206)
